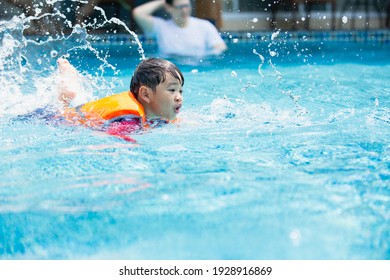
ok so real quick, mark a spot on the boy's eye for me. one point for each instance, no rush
(173, 90)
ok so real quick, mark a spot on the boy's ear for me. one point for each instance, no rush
(144, 94)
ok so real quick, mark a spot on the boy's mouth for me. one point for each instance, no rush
(177, 109)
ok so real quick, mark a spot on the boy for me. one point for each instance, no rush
(155, 97)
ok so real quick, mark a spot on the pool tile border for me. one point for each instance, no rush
(374, 36)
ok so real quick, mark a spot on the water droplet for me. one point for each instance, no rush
(234, 74)
(255, 20)
(235, 40)
(54, 54)
(344, 19)
(275, 34)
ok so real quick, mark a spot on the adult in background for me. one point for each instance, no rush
(182, 34)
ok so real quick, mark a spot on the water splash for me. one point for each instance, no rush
(295, 98)
(117, 21)
(28, 78)
(276, 74)
(236, 115)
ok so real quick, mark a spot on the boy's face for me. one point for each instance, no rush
(167, 100)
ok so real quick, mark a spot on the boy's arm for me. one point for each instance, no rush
(143, 14)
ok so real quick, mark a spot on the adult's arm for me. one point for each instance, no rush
(215, 41)
(143, 14)
(220, 48)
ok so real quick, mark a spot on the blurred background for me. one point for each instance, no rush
(227, 15)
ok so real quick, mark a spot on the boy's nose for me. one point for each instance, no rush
(179, 98)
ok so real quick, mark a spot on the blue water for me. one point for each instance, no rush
(289, 160)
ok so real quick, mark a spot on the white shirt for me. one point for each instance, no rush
(195, 39)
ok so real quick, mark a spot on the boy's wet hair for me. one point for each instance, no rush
(153, 71)
(169, 2)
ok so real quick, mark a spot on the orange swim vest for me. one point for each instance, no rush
(104, 111)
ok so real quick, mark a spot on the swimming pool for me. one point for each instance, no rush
(282, 159)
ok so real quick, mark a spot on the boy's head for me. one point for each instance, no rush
(157, 84)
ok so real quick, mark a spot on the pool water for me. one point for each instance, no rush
(280, 160)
